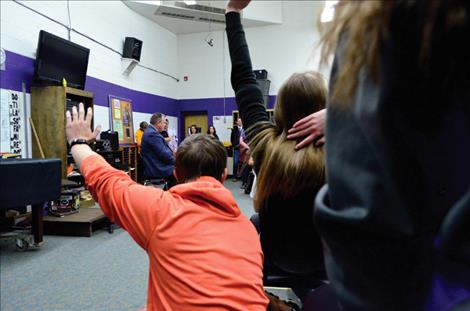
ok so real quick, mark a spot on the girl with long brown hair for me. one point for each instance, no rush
(287, 179)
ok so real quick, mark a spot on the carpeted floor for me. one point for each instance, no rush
(104, 272)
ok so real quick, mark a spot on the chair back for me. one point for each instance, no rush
(291, 244)
(29, 181)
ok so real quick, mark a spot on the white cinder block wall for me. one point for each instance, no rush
(108, 22)
(280, 49)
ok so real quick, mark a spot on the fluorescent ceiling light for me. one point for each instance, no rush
(190, 2)
(329, 11)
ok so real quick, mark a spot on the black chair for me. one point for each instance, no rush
(321, 298)
(291, 245)
(30, 182)
(455, 232)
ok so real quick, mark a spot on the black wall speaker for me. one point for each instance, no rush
(264, 86)
(132, 48)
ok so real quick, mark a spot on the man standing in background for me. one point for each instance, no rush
(165, 131)
(235, 140)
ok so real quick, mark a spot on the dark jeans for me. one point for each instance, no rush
(236, 159)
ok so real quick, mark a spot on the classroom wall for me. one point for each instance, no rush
(108, 22)
(280, 49)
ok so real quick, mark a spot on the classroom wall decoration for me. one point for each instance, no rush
(12, 122)
(121, 119)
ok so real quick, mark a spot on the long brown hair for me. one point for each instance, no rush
(365, 24)
(282, 169)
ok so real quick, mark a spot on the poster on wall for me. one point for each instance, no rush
(12, 123)
(223, 126)
(121, 119)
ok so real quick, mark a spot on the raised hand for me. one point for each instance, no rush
(236, 5)
(78, 126)
(312, 127)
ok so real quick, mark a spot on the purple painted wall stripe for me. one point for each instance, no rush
(20, 69)
(141, 102)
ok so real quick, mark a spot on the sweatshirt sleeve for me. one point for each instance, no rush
(248, 94)
(132, 206)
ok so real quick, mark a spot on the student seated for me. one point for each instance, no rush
(204, 253)
(287, 179)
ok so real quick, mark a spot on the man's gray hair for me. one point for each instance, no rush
(156, 118)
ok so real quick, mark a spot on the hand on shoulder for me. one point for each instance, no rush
(311, 128)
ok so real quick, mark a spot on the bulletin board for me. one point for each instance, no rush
(121, 119)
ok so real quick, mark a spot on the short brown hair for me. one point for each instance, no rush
(143, 125)
(200, 155)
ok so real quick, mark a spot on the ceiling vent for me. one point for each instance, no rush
(194, 12)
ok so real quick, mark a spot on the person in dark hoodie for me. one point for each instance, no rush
(204, 253)
(398, 150)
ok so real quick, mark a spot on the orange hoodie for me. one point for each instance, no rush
(204, 254)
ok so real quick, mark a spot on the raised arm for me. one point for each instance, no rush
(247, 92)
(134, 207)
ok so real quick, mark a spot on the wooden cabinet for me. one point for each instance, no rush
(48, 106)
(129, 160)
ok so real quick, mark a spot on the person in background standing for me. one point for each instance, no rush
(235, 140)
(212, 132)
(138, 140)
(140, 132)
(165, 131)
(193, 130)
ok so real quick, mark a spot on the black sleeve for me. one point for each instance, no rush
(248, 95)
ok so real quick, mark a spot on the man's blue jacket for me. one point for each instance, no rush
(158, 158)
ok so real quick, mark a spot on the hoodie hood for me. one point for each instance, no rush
(209, 193)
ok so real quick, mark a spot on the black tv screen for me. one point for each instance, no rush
(57, 58)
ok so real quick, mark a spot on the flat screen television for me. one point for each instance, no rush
(57, 58)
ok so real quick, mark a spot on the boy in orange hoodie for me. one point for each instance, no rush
(203, 253)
